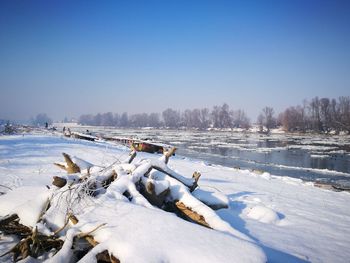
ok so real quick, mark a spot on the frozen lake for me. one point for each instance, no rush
(308, 157)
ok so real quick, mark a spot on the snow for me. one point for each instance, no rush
(138, 234)
(323, 156)
(27, 202)
(262, 214)
(211, 197)
(284, 219)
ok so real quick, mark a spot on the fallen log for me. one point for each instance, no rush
(102, 256)
(191, 184)
(148, 191)
(122, 182)
(191, 215)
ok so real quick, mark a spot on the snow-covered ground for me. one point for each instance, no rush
(289, 220)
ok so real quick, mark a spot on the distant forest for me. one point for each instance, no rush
(321, 115)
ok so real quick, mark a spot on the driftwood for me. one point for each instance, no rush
(191, 215)
(169, 153)
(71, 167)
(132, 155)
(110, 179)
(103, 256)
(148, 191)
(34, 246)
(134, 181)
(10, 226)
(32, 243)
(59, 181)
(191, 185)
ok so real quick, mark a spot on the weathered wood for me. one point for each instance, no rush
(145, 188)
(73, 219)
(110, 179)
(90, 239)
(195, 176)
(61, 166)
(193, 216)
(71, 168)
(132, 156)
(149, 193)
(8, 219)
(169, 153)
(34, 245)
(104, 256)
(59, 181)
(10, 226)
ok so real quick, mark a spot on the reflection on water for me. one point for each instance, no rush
(309, 157)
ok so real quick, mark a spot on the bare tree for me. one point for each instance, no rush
(187, 118)
(266, 118)
(154, 120)
(344, 111)
(225, 117)
(260, 121)
(240, 119)
(116, 119)
(215, 115)
(315, 114)
(124, 120)
(221, 116)
(171, 118)
(292, 119)
(204, 117)
(325, 114)
(106, 119)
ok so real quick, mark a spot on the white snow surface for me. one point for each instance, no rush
(285, 219)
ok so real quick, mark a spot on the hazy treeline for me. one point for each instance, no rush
(219, 117)
(319, 115)
(41, 119)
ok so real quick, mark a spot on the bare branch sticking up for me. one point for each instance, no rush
(169, 153)
(132, 155)
(71, 167)
(195, 176)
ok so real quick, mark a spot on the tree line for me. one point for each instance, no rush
(321, 115)
(219, 117)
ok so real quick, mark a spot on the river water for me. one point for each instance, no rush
(308, 157)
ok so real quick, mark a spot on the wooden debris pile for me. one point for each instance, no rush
(150, 183)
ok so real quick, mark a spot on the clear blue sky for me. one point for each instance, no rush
(67, 58)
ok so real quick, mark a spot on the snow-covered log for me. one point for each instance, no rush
(89, 191)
